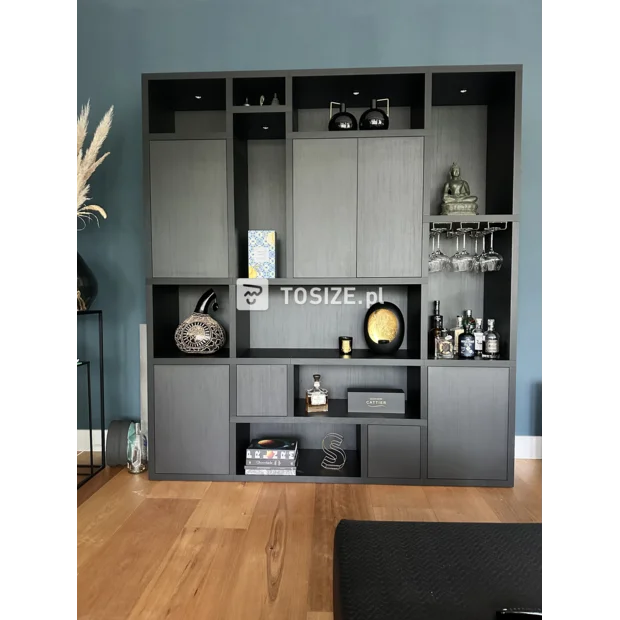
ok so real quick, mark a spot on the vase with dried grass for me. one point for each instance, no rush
(87, 162)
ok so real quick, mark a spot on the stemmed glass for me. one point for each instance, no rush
(462, 260)
(477, 234)
(491, 260)
(437, 260)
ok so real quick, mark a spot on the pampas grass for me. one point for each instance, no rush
(87, 162)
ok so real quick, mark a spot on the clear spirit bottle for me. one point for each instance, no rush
(456, 334)
(466, 344)
(491, 342)
(445, 345)
(478, 338)
(316, 397)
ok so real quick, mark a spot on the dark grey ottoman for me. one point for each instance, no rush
(435, 571)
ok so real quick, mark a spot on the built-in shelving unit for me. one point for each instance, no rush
(351, 209)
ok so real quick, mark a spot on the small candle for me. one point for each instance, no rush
(345, 344)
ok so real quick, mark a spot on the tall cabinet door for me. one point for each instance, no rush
(191, 419)
(324, 207)
(389, 217)
(468, 423)
(189, 222)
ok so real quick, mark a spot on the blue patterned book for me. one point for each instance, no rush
(261, 253)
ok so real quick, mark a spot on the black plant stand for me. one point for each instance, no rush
(93, 468)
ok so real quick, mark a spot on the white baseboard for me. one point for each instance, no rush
(83, 441)
(528, 447)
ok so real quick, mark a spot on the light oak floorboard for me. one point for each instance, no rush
(222, 550)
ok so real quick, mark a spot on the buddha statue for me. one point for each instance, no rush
(457, 199)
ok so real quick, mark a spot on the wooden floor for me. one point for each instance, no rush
(228, 551)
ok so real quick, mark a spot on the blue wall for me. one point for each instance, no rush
(120, 39)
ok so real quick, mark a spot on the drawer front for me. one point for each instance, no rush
(262, 390)
(393, 451)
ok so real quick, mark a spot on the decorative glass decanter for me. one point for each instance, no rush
(316, 397)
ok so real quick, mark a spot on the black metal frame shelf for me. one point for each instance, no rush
(261, 192)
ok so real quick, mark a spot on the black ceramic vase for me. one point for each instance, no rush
(342, 121)
(374, 118)
(86, 285)
(384, 328)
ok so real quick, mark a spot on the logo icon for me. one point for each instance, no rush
(252, 294)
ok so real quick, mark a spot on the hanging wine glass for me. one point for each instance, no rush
(475, 265)
(462, 260)
(491, 260)
(437, 260)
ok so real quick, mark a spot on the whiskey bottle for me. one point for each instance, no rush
(456, 334)
(478, 338)
(435, 330)
(466, 344)
(491, 342)
(316, 397)
(445, 346)
(468, 319)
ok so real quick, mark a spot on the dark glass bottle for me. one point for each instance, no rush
(468, 319)
(374, 117)
(467, 344)
(491, 342)
(436, 327)
(342, 121)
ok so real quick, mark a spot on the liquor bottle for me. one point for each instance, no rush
(136, 450)
(316, 397)
(435, 330)
(466, 344)
(445, 345)
(469, 319)
(491, 342)
(478, 338)
(456, 333)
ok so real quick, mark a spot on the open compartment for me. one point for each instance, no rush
(338, 379)
(310, 438)
(260, 182)
(253, 88)
(487, 294)
(187, 108)
(306, 321)
(172, 304)
(473, 122)
(313, 94)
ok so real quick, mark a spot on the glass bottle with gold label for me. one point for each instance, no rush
(316, 397)
(445, 346)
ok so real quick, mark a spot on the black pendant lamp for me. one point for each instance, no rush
(341, 121)
(374, 117)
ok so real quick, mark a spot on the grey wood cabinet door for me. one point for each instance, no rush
(262, 390)
(191, 419)
(324, 207)
(389, 212)
(468, 423)
(189, 221)
(393, 451)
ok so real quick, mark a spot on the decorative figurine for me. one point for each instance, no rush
(332, 446)
(199, 332)
(457, 199)
(247, 103)
(275, 100)
(261, 101)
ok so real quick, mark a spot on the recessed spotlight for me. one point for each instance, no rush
(198, 96)
(463, 91)
(265, 126)
(356, 92)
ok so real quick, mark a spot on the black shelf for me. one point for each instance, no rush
(178, 357)
(260, 109)
(309, 467)
(386, 133)
(478, 363)
(338, 414)
(359, 357)
(438, 219)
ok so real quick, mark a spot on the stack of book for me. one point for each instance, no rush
(271, 457)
